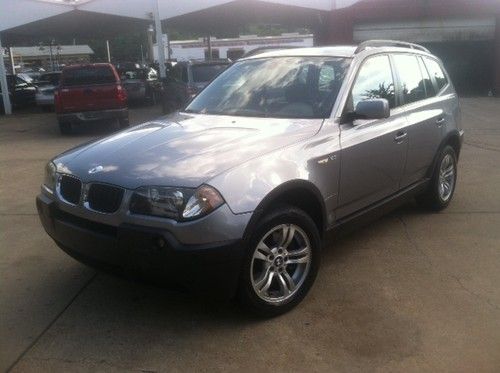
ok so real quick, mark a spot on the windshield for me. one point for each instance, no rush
(205, 73)
(283, 87)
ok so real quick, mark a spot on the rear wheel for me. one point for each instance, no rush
(281, 262)
(442, 185)
(65, 127)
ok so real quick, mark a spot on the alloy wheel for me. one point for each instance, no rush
(446, 177)
(280, 263)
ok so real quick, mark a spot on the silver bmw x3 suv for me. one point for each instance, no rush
(234, 194)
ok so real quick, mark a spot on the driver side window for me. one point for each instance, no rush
(374, 80)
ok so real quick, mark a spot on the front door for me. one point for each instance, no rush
(373, 152)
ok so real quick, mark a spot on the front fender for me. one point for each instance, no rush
(315, 161)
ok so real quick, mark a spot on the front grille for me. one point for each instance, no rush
(70, 189)
(104, 198)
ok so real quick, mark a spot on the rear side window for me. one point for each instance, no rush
(88, 75)
(436, 71)
(205, 73)
(412, 83)
(430, 90)
(374, 80)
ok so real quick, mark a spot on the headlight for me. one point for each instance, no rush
(175, 203)
(50, 177)
(204, 200)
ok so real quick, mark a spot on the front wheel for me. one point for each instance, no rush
(281, 263)
(442, 185)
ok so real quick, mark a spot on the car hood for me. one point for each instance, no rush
(182, 149)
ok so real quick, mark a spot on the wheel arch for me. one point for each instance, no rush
(452, 139)
(298, 193)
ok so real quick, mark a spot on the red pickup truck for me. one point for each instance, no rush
(88, 93)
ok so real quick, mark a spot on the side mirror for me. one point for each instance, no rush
(376, 108)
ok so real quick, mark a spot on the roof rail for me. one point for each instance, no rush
(388, 43)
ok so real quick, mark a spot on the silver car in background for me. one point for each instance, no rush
(234, 194)
(45, 87)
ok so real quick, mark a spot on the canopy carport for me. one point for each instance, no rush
(20, 19)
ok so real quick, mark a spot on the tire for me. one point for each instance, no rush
(269, 260)
(123, 123)
(443, 182)
(65, 127)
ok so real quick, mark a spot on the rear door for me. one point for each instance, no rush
(89, 88)
(424, 113)
(373, 151)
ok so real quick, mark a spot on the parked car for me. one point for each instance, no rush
(45, 87)
(140, 82)
(90, 92)
(187, 78)
(234, 194)
(21, 92)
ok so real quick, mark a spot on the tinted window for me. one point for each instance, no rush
(374, 80)
(436, 72)
(205, 73)
(429, 87)
(88, 75)
(281, 87)
(412, 83)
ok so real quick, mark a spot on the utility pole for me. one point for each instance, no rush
(51, 55)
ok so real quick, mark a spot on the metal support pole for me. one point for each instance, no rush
(12, 62)
(149, 33)
(107, 51)
(3, 83)
(168, 47)
(159, 39)
(209, 47)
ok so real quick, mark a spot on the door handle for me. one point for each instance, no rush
(400, 137)
(440, 122)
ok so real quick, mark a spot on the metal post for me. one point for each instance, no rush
(12, 62)
(168, 47)
(209, 47)
(150, 32)
(3, 83)
(159, 39)
(107, 51)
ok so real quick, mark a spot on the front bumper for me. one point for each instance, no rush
(149, 252)
(90, 116)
